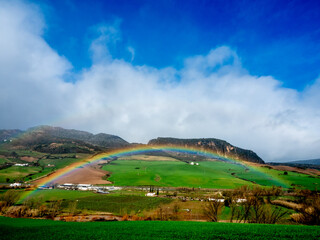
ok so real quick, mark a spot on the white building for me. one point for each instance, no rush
(151, 194)
(15, 185)
(21, 164)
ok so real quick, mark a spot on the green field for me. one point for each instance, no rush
(119, 204)
(57, 194)
(16, 173)
(46, 229)
(115, 202)
(173, 174)
(142, 170)
(209, 174)
(29, 173)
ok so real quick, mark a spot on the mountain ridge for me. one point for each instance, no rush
(220, 147)
(60, 140)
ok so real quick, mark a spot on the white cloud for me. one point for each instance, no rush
(211, 96)
(132, 52)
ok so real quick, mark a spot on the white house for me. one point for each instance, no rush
(241, 200)
(216, 199)
(151, 194)
(15, 185)
(21, 164)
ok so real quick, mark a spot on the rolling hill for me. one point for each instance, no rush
(310, 162)
(59, 140)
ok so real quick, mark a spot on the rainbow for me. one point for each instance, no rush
(117, 153)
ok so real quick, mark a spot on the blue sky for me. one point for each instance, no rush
(243, 71)
(277, 38)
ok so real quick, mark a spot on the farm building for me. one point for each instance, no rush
(151, 194)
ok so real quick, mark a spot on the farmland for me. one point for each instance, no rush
(209, 174)
(32, 229)
(39, 164)
(120, 205)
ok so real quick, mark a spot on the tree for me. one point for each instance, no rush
(11, 197)
(212, 210)
(310, 210)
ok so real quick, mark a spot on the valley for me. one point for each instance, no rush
(179, 180)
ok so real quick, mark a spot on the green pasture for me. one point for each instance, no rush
(174, 174)
(209, 174)
(23, 229)
(57, 194)
(293, 179)
(4, 160)
(16, 173)
(119, 204)
(59, 162)
(29, 173)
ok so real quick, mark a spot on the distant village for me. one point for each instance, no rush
(82, 187)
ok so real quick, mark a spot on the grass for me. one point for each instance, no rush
(46, 229)
(30, 173)
(16, 173)
(148, 158)
(173, 174)
(57, 194)
(119, 204)
(142, 170)
(209, 174)
(293, 179)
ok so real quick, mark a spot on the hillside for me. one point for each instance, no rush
(6, 135)
(59, 140)
(101, 139)
(302, 164)
(218, 146)
(310, 162)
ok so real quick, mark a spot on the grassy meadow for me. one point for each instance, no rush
(209, 174)
(46, 163)
(21, 229)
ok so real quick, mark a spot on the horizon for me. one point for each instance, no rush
(244, 72)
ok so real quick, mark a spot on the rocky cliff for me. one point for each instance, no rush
(218, 146)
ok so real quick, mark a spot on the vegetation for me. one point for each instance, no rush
(209, 174)
(39, 164)
(31, 229)
(17, 173)
(212, 210)
(120, 205)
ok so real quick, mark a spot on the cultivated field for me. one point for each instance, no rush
(209, 174)
(39, 164)
(31, 229)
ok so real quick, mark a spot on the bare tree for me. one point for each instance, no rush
(212, 210)
(310, 210)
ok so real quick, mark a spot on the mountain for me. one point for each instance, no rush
(6, 135)
(309, 162)
(218, 146)
(59, 140)
(101, 139)
(301, 164)
(53, 140)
